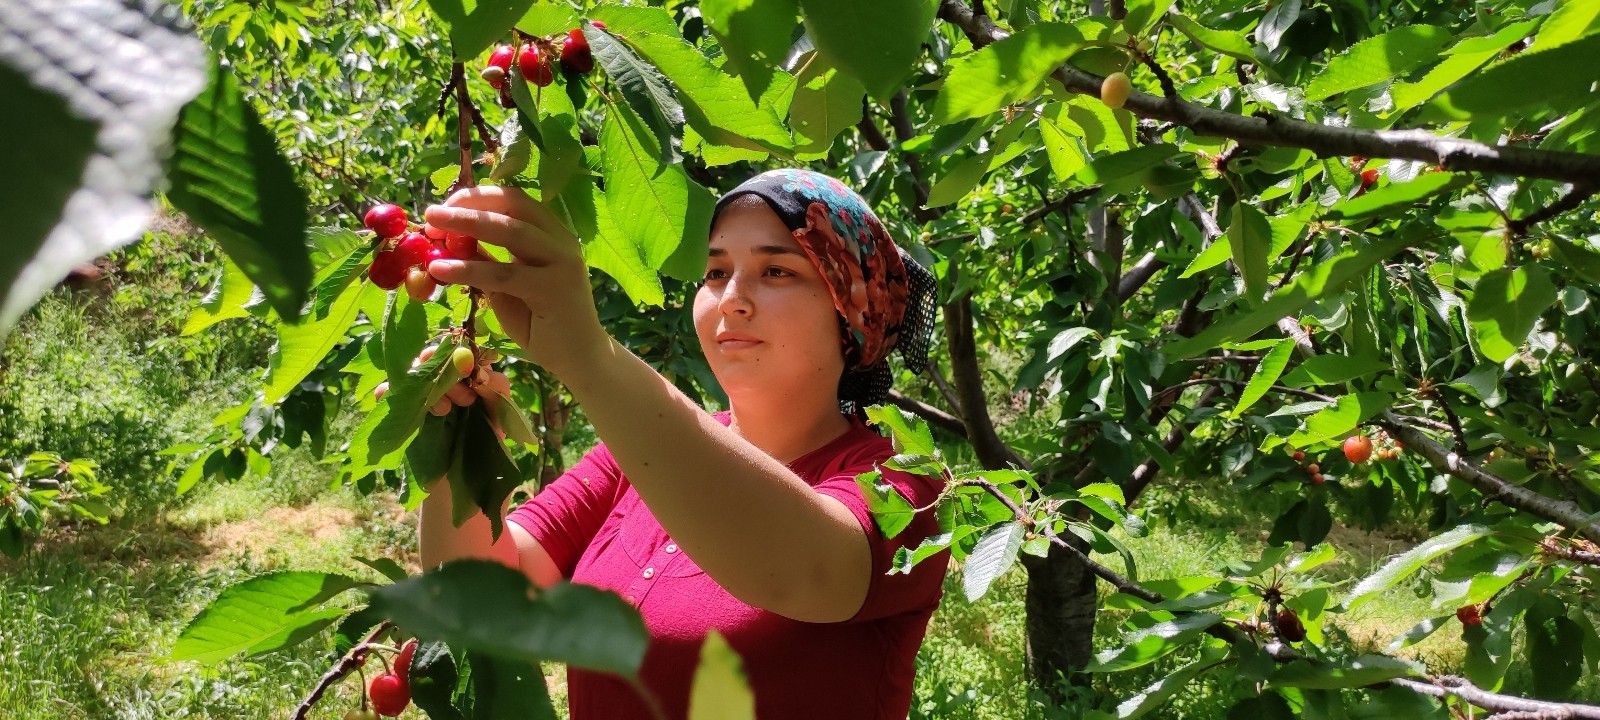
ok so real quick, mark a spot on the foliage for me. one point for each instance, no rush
(1199, 283)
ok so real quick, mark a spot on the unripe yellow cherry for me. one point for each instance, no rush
(463, 359)
(1114, 90)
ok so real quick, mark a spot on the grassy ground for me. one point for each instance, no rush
(86, 618)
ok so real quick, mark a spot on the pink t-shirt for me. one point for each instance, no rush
(600, 533)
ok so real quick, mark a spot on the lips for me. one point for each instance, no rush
(734, 341)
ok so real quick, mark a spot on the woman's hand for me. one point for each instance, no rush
(542, 297)
(485, 382)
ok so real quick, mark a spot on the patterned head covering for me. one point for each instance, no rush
(884, 298)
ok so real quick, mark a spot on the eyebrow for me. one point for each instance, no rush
(763, 250)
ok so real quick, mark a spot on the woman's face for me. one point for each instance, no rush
(764, 316)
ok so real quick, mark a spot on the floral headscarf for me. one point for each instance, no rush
(884, 298)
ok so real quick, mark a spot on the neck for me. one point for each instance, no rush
(785, 431)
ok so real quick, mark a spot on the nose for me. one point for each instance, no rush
(734, 301)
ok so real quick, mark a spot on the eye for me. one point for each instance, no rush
(714, 274)
(776, 271)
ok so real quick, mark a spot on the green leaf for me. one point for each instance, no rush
(1583, 261)
(1215, 254)
(225, 301)
(68, 112)
(1333, 422)
(645, 199)
(1004, 72)
(433, 678)
(1267, 372)
(753, 40)
(1554, 650)
(1570, 21)
(473, 31)
(1332, 369)
(720, 690)
(714, 104)
(889, 508)
(483, 606)
(1228, 42)
(990, 558)
(1357, 672)
(1063, 142)
(650, 94)
(227, 175)
(1539, 77)
(1407, 563)
(507, 688)
(1504, 307)
(1377, 59)
(959, 180)
(827, 101)
(1159, 692)
(257, 611)
(911, 434)
(1249, 238)
(1463, 58)
(878, 43)
(482, 473)
(1121, 164)
(1393, 197)
(613, 252)
(1149, 644)
(301, 348)
(1315, 282)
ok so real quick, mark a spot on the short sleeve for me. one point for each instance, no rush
(565, 516)
(900, 593)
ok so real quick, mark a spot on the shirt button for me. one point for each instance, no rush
(649, 573)
(671, 548)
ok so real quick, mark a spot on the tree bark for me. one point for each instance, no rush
(1061, 606)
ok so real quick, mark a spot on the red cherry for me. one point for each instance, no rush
(378, 393)
(1357, 448)
(386, 220)
(502, 57)
(1369, 177)
(437, 252)
(413, 248)
(535, 66)
(598, 24)
(389, 697)
(1313, 468)
(1298, 456)
(420, 285)
(461, 247)
(1469, 615)
(1290, 627)
(1316, 479)
(387, 270)
(402, 663)
(575, 52)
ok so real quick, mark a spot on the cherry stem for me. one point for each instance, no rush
(351, 662)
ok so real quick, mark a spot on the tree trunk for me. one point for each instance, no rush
(1061, 606)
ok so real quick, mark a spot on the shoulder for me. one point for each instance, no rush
(863, 450)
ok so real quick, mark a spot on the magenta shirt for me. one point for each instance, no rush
(600, 533)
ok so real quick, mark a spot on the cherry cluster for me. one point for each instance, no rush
(1359, 448)
(390, 691)
(1314, 470)
(534, 61)
(404, 253)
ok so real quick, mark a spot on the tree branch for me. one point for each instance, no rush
(1492, 486)
(992, 452)
(1452, 154)
(1570, 201)
(355, 658)
(1448, 685)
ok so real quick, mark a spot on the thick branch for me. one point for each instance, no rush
(1138, 275)
(1452, 154)
(992, 452)
(1492, 486)
(935, 417)
(1447, 685)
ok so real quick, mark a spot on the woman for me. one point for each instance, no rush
(747, 522)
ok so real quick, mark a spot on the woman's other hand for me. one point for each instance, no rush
(542, 296)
